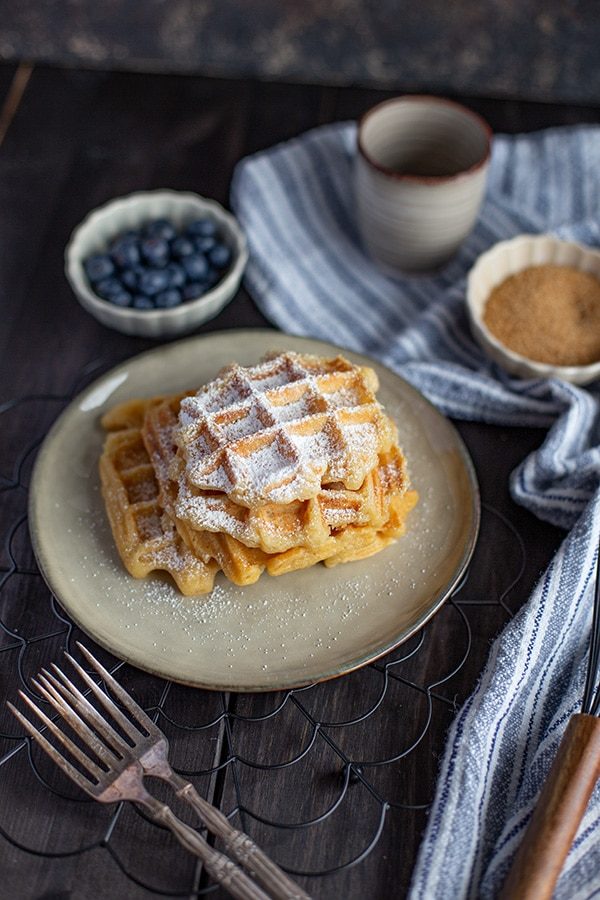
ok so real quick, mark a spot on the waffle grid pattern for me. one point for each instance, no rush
(283, 418)
(148, 537)
(272, 527)
(323, 741)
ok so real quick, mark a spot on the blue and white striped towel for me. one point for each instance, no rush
(310, 276)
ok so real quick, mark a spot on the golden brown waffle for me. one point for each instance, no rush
(149, 538)
(279, 431)
(243, 564)
(271, 527)
(146, 537)
(352, 543)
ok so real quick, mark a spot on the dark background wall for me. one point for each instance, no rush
(495, 48)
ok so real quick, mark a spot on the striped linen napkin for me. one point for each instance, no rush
(309, 276)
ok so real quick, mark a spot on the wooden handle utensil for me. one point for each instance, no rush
(558, 813)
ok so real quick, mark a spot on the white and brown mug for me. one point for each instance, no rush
(420, 176)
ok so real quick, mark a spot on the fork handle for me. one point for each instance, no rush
(218, 866)
(239, 845)
(558, 813)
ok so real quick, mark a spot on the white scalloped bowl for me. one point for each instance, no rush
(105, 223)
(505, 259)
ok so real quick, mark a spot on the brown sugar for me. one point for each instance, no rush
(548, 313)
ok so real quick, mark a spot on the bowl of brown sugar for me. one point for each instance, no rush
(534, 306)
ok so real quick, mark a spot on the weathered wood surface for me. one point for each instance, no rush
(77, 139)
(525, 50)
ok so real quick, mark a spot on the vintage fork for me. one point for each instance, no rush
(124, 766)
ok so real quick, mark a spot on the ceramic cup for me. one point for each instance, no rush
(420, 177)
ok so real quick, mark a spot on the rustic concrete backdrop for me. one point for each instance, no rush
(493, 48)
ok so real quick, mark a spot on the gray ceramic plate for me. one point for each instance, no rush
(280, 632)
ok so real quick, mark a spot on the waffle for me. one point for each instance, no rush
(278, 431)
(271, 527)
(145, 536)
(352, 543)
(139, 501)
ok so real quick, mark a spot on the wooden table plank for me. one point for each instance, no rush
(53, 180)
(7, 72)
(78, 139)
(182, 133)
(7, 104)
(503, 115)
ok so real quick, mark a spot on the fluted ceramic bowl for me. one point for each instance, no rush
(103, 224)
(506, 259)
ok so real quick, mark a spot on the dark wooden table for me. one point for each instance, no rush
(70, 141)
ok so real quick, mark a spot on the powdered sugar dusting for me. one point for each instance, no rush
(273, 432)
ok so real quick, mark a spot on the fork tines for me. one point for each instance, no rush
(112, 757)
(97, 734)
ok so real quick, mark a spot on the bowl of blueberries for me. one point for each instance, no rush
(156, 263)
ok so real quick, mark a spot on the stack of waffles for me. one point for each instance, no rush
(271, 467)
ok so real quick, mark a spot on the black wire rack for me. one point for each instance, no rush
(347, 735)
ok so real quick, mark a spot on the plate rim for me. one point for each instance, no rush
(357, 662)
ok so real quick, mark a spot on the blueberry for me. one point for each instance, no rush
(98, 267)
(140, 301)
(204, 244)
(160, 228)
(155, 250)
(202, 228)
(193, 290)
(125, 251)
(181, 247)
(152, 281)
(176, 275)
(130, 277)
(212, 278)
(220, 256)
(168, 299)
(123, 298)
(108, 288)
(196, 267)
